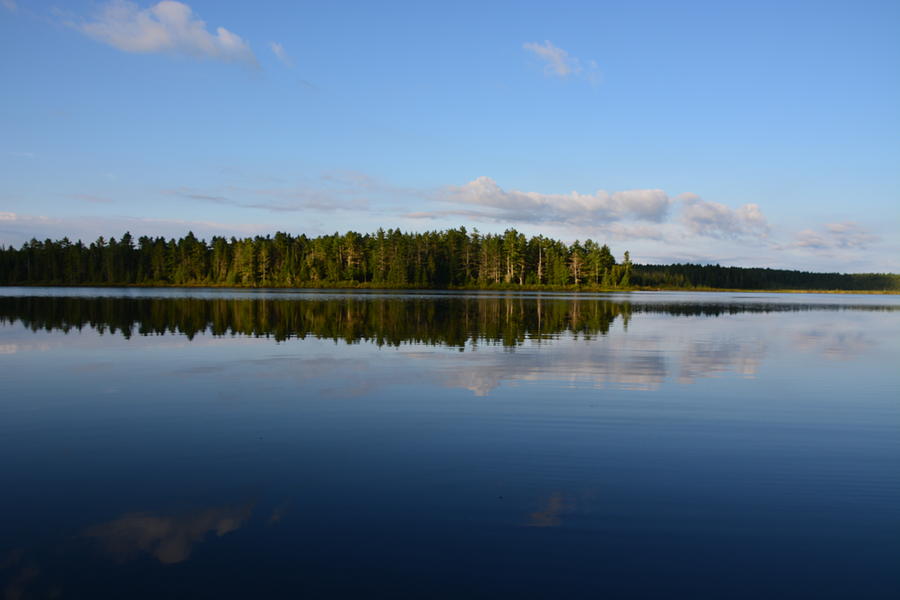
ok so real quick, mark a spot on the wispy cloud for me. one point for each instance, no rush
(558, 62)
(835, 236)
(326, 193)
(9, 5)
(279, 200)
(166, 27)
(717, 220)
(28, 155)
(16, 228)
(91, 198)
(282, 55)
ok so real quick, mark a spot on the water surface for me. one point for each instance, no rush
(220, 443)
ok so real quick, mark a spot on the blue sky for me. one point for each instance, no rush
(753, 134)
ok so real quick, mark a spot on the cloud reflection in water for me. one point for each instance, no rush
(552, 512)
(169, 539)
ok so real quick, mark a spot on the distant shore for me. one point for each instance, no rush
(352, 285)
(452, 259)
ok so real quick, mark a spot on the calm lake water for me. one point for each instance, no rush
(269, 443)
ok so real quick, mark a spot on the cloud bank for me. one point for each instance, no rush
(493, 203)
(835, 236)
(166, 27)
(626, 214)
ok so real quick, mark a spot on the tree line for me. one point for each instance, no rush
(453, 258)
(436, 259)
(755, 278)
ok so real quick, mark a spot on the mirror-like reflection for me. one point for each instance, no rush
(552, 512)
(216, 443)
(37, 572)
(438, 320)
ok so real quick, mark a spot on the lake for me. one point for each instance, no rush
(213, 443)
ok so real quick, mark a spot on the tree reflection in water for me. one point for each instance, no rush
(445, 320)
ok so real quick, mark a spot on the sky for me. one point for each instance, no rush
(740, 133)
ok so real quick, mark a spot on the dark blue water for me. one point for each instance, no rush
(219, 443)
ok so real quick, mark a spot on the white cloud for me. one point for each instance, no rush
(281, 53)
(497, 204)
(9, 5)
(640, 214)
(559, 63)
(166, 27)
(717, 220)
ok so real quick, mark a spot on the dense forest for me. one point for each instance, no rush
(742, 278)
(454, 258)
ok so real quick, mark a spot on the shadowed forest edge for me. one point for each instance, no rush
(454, 258)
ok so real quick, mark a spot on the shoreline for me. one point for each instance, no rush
(490, 288)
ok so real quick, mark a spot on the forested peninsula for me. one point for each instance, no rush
(454, 258)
